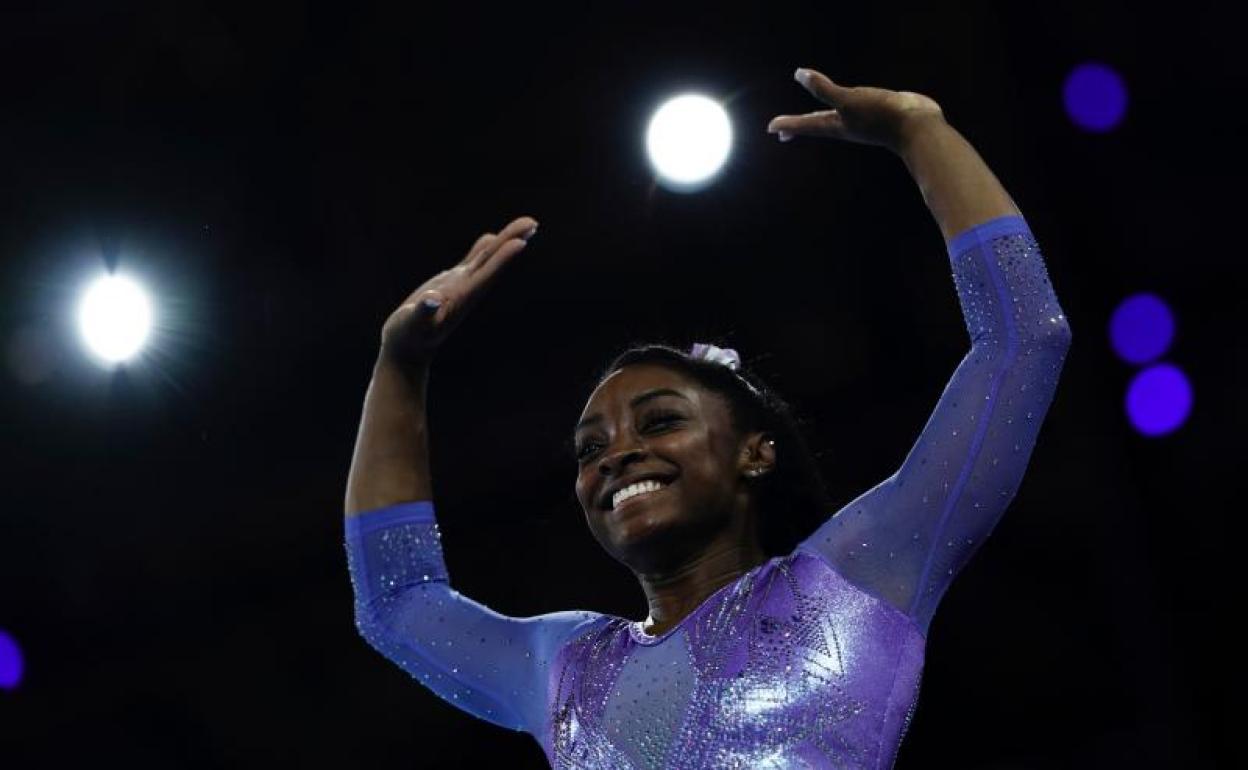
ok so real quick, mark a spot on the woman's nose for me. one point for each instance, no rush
(615, 464)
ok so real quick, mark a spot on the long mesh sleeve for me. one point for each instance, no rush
(490, 665)
(905, 539)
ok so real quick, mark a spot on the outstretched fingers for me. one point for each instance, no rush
(484, 274)
(821, 123)
(477, 247)
(489, 243)
(821, 86)
(514, 237)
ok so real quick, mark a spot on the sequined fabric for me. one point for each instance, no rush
(905, 539)
(790, 666)
(810, 660)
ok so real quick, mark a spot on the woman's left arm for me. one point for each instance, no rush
(905, 539)
(958, 187)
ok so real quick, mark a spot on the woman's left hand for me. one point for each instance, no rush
(860, 114)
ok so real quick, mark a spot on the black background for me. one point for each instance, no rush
(171, 550)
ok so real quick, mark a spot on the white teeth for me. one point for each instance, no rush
(635, 489)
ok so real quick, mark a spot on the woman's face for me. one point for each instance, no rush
(649, 421)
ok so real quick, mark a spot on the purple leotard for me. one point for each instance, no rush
(812, 659)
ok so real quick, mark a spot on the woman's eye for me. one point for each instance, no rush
(660, 419)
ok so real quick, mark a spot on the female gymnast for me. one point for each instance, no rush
(756, 653)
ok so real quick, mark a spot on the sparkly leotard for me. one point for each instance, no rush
(812, 659)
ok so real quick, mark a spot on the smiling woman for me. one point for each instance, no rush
(786, 497)
(779, 635)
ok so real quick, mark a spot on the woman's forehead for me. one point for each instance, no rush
(630, 380)
(645, 383)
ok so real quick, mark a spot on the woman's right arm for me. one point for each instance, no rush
(391, 459)
(490, 665)
(390, 463)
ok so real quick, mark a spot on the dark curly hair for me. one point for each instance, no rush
(792, 498)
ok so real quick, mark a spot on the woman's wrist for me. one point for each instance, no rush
(414, 372)
(914, 128)
(957, 185)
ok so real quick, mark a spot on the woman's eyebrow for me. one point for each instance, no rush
(638, 399)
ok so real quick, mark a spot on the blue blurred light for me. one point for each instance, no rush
(10, 661)
(1095, 97)
(1159, 399)
(1141, 328)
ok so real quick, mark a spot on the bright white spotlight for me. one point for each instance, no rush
(688, 140)
(114, 318)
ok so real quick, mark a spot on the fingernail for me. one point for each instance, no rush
(802, 76)
(785, 136)
(431, 303)
(532, 230)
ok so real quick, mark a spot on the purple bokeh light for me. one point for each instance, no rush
(1095, 97)
(1159, 399)
(10, 661)
(1141, 328)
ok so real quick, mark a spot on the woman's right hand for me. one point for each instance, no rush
(413, 332)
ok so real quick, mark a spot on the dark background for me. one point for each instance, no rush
(171, 545)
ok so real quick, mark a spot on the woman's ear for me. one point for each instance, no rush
(760, 454)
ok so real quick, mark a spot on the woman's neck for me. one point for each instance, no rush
(674, 594)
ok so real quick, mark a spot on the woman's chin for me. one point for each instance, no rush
(641, 527)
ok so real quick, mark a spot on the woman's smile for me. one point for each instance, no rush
(633, 501)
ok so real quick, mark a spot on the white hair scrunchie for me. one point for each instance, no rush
(726, 356)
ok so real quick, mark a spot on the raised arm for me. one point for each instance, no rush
(905, 539)
(490, 665)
